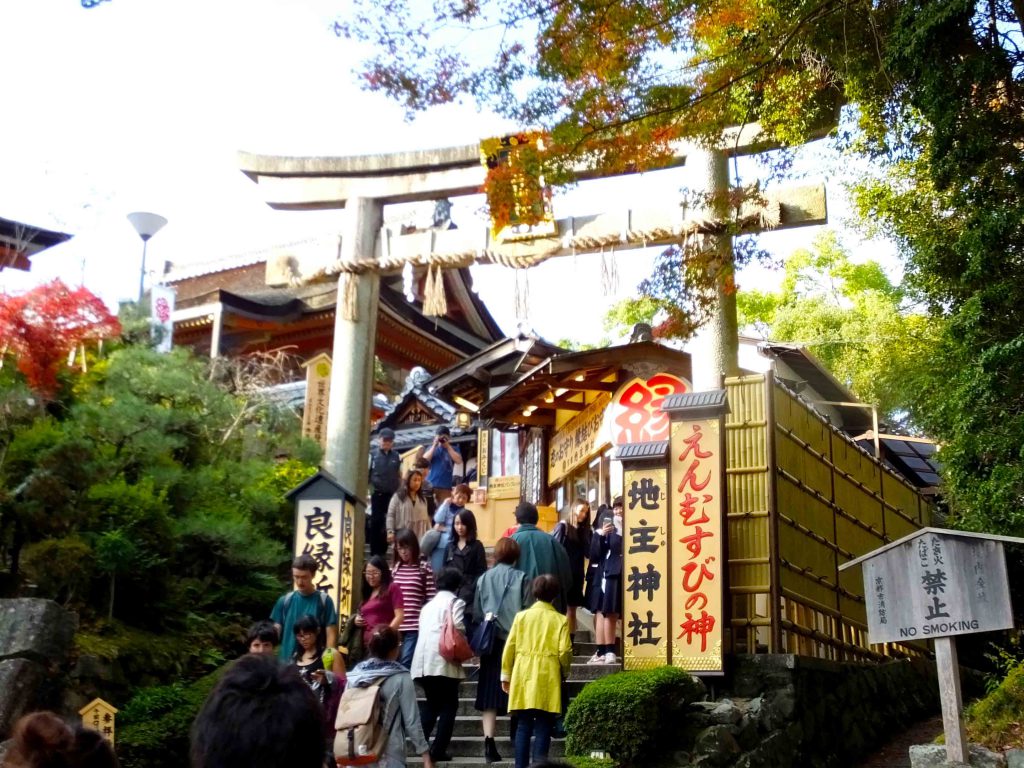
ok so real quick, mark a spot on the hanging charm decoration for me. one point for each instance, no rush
(435, 304)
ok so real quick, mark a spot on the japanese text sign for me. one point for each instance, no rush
(578, 440)
(99, 716)
(504, 487)
(645, 571)
(696, 529)
(636, 415)
(318, 390)
(936, 585)
(320, 531)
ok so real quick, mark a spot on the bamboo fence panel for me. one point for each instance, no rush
(803, 499)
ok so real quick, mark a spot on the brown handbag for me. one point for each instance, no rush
(453, 645)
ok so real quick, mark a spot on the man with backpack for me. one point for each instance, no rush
(304, 600)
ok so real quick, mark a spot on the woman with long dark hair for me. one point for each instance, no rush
(444, 519)
(416, 580)
(408, 507)
(604, 581)
(382, 599)
(466, 555)
(574, 534)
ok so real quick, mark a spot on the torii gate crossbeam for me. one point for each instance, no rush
(363, 184)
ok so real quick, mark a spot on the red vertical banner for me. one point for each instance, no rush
(696, 535)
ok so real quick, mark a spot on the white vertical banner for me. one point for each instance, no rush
(160, 325)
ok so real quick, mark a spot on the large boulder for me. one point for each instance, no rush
(36, 637)
(20, 683)
(40, 630)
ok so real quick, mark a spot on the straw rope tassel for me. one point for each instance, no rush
(434, 302)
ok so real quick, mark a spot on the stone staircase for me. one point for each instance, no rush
(467, 744)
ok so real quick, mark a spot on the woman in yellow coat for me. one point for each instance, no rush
(536, 659)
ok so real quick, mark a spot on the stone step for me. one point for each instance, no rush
(579, 678)
(507, 761)
(472, 667)
(469, 725)
(473, 747)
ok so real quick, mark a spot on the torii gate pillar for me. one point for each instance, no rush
(717, 347)
(348, 430)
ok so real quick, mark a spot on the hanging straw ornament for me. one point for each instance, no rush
(522, 294)
(434, 302)
(609, 272)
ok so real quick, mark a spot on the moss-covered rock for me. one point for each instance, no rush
(996, 721)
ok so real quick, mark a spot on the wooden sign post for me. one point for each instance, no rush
(326, 529)
(99, 716)
(937, 584)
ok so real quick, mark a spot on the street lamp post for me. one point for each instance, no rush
(147, 225)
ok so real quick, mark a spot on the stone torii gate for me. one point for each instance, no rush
(364, 184)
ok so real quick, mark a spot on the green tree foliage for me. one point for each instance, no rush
(148, 494)
(853, 319)
(936, 87)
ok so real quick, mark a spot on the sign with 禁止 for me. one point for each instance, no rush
(936, 583)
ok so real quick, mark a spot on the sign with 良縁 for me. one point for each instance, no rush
(319, 532)
(936, 585)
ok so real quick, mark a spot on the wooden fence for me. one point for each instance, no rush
(803, 498)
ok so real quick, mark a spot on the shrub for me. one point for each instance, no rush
(579, 761)
(154, 726)
(995, 721)
(632, 715)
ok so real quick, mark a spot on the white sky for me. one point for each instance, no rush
(143, 105)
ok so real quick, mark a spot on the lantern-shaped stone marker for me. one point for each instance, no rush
(937, 584)
(99, 716)
(329, 526)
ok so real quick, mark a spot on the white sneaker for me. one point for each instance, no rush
(597, 658)
(609, 658)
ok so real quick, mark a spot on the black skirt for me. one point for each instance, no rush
(488, 684)
(606, 600)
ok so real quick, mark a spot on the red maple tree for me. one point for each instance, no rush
(43, 325)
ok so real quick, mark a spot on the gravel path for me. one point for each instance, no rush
(895, 754)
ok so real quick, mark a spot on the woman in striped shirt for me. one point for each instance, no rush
(416, 580)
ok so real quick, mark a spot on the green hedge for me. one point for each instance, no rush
(631, 715)
(153, 727)
(995, 721)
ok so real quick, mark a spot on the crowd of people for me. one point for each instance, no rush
(521, 610)
(520, 614)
